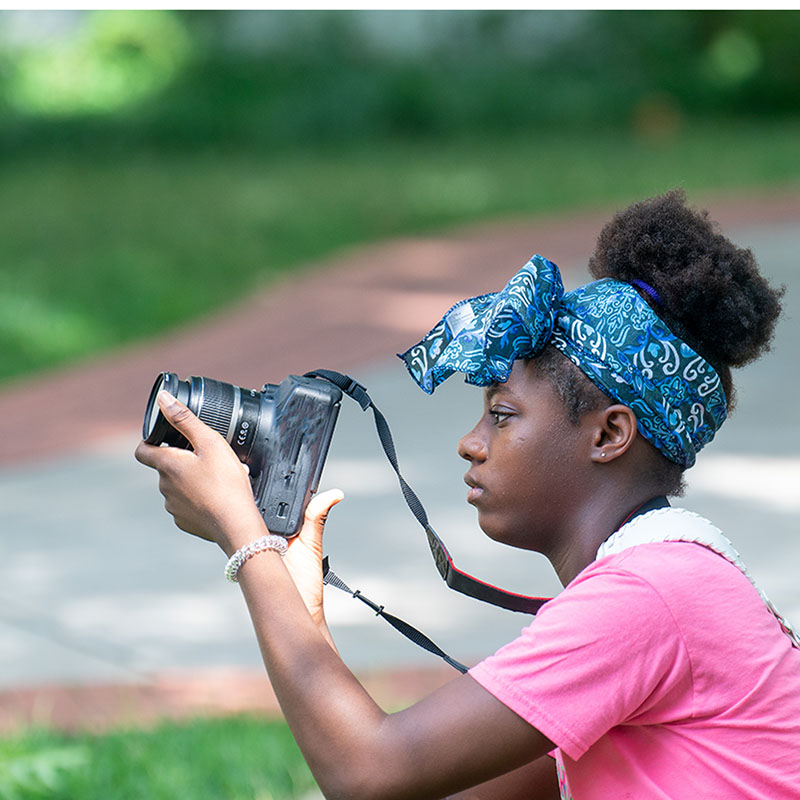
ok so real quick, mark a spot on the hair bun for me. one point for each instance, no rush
(712, 293)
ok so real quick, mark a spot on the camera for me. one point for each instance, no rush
(282, 433)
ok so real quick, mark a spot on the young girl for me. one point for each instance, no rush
(659, 671)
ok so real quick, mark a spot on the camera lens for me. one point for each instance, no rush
(230, 410)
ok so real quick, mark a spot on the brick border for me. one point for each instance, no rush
(184, 695)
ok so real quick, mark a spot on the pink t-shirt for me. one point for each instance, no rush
(659, 673)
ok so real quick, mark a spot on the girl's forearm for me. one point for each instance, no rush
(337, 725)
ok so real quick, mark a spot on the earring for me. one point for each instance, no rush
(603, 454)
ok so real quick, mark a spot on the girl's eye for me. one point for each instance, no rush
(498, 416)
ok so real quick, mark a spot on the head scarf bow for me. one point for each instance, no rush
(605, 328)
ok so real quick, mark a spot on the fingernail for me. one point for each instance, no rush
(166, 400)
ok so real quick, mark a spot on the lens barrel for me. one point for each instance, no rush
(228, 409)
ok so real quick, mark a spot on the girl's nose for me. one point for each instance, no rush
(472, 447)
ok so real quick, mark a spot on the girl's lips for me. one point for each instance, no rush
(474, 494)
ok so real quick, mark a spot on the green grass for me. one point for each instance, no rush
(235, 758)
(101, 251)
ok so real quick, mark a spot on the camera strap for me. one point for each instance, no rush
(330, 578)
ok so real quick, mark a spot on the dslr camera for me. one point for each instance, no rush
(282, 433)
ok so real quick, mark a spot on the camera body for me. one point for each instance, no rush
(281, 432)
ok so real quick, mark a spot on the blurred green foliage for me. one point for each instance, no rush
(115, 59)
(158, 165)
(272, 78)
(37, 772)
(236, 758)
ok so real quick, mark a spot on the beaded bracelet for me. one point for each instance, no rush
(271, 542)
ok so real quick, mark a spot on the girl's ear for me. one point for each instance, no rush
(613, 434)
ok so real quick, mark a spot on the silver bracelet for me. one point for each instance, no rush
(271, 542)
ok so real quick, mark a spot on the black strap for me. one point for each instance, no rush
(651, 505)
(455, 578)
(409, 631)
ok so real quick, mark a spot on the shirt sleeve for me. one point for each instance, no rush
(603, 652)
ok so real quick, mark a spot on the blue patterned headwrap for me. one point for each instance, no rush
(606, 328)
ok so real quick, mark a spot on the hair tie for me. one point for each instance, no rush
(649, 291)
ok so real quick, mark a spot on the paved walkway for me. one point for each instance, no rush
(105, 607)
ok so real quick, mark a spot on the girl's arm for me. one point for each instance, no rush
(535, 781)
(458, 737)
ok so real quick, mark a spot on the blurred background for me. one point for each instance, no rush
(178, 190)
(168, 162)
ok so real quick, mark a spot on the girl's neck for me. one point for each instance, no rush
(591, 527)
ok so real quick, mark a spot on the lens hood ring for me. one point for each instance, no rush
(155, 427)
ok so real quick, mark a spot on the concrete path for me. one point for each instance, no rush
(98, 588)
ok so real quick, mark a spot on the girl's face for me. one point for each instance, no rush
(524, 456)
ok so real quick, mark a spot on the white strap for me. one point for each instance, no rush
(680, 525)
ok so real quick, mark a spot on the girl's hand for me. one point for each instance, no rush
(206, 489)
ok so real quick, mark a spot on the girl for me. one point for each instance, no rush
(659, 671)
